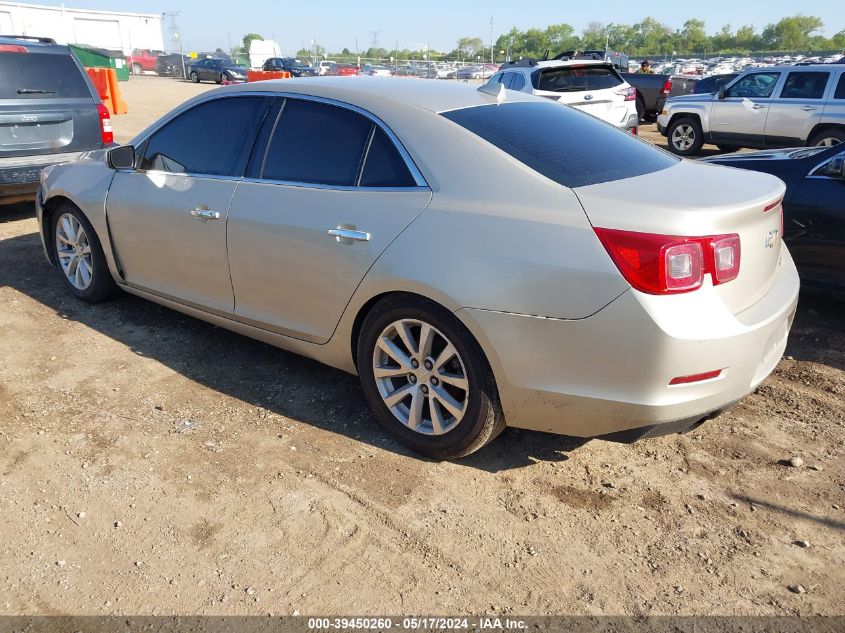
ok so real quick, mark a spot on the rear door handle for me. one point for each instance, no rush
(349, 234)
(758, 106)
(809, 108)
(205, 214)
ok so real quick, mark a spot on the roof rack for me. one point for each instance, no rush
(525, 61)
(31, 38)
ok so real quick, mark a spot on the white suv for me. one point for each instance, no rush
(785, 106)
(592, 86)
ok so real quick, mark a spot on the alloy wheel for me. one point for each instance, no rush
(830, 141)
(683, 137)
(74, 251)
(421, 377)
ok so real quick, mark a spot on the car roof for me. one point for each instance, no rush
(376, 94)
(41, 44)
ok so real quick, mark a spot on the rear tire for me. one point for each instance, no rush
(640, 109)
(79, 255)
(685, 137)
(827, 138)
(195, 77)
(136, 69)
(425, 407)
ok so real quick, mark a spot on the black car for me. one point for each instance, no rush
(711, 84)
(49, 113)
(173, 65)
(296, 67)
(217, 70)
(814, 207)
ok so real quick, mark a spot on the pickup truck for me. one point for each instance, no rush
(143, 59)
(653, 90)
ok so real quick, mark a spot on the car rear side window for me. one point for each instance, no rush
(384, 166)
(804, 85)
(579, 78)
(41, 76)
(570, 147)
(213, 138)
(317, 143)
(840, 88)
(518, 82)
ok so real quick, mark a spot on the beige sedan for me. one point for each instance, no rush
(481, 258)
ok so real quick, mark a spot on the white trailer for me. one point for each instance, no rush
(112, 30)
(262, 50)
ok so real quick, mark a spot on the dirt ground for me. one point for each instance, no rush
(154, 464)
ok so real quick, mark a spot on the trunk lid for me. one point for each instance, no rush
(46, 105)
(693, 199)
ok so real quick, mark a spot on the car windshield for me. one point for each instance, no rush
(41, 76)
(570, 147)
(579, 78)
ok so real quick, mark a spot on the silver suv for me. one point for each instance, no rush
(762, 108)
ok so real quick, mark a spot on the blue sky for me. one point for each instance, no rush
(207, 24)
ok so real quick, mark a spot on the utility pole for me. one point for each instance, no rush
(374, 41)
(491, 40)
(176, 38)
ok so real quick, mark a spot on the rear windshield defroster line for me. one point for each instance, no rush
(570, 147)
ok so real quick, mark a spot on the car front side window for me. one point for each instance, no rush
(755, 85)
(213, 138)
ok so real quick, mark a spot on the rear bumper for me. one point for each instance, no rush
(610, 372)
(20, 176)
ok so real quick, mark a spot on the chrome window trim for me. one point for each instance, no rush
(317, 185)
(416, 174)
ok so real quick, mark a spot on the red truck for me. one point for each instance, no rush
(143, 59)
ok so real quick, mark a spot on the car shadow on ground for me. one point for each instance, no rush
(14, 212)
(248, 370)
(818, 333)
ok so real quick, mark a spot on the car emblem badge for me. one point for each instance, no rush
(29, 118)
(588, 97)
(771, 237)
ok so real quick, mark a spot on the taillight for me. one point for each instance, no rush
(12, 48)
(630, 93)
(105, 124)
(726, 255)
(670, 264)
(667, 87)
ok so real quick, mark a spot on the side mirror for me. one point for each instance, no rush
(122, 157)
(722, 92)
(835, 168)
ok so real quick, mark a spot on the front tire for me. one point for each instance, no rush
(136, 69)
(827, 138)
(685, 137)
(427, 379)
(79, 256)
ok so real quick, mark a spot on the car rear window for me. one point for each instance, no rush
(41, 76)
(570, 147)
(579, 78)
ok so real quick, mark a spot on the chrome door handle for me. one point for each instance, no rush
(809, 108)
(757, 106)
(205, 214)
(349, 234)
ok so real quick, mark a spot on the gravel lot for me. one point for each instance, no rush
(154, 464)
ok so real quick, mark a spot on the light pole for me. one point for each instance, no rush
(491, 40)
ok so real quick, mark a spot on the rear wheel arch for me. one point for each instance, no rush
(822, 128)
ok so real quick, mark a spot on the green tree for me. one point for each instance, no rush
(791, 34)
(469, 47)
(247, 39)
(693, 38)
(594, 36)
(746, 38)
